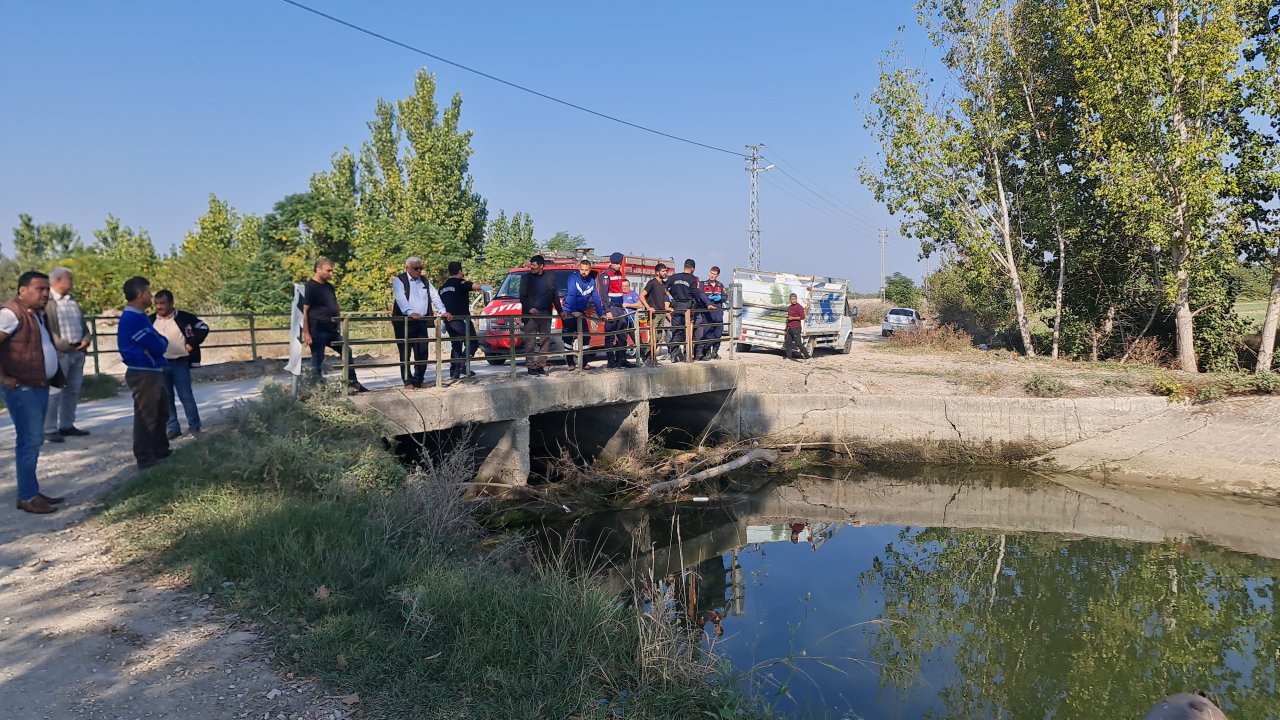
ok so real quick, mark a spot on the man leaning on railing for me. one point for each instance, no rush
(415, 301)
(538, 297)
(319, 327)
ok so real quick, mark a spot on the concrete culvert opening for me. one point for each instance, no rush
(681, 422)
(586, 435)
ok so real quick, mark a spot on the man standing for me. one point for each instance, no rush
(712, 317)
(28, 366)
(142, 349)
(70, 336)
(538, 297)
(184, 332)
(319, 327)
(686, 294)
(580, 293)
(416, 301)
(794, 342)
(610, 284)
(455, 295)
(657, 302)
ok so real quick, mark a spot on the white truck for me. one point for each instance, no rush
(761, 320)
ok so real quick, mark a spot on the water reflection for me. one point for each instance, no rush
(939, 593)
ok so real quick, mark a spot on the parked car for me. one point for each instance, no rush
(899, 319)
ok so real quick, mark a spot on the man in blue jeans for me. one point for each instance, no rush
(184, 332)
(28, 366)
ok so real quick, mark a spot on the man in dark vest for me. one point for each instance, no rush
(455, 293)
(686, 294)
(416, 304)
(28, 366)
(609, 282)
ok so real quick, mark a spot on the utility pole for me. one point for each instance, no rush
(753, 233)
(883, 233)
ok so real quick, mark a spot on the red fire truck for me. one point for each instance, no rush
(494, 328)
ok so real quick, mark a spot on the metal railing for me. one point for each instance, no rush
(647, 333)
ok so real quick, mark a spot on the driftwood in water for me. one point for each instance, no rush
(680, 483)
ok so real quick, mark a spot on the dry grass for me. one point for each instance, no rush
(871, 312)
(943, 338)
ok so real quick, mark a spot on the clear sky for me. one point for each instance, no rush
(143, 108)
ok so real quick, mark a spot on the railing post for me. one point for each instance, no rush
(511, 343)
(688, 335)
(582, 356)
(653, 339)
(253, 338)
(439, 355)
(93, 342)
(466, 346)
(346, 350)
(403, 347)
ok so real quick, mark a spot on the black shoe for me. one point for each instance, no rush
(356, 388)
(174, 434)
(626, 364)
(72, 431)
(53, 437)
(472, 373)
(571, 361)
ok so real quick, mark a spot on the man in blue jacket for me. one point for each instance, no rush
(142, 350)
(580, 294)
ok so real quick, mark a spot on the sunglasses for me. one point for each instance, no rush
(415, 267)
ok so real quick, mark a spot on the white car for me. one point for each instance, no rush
(899, 319)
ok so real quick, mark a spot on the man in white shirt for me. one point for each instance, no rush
(71, 337)
(416, 302)
(28, 366)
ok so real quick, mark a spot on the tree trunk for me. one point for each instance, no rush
(1057, 300)
(1182, 309)
(1010, 262)
(1267, 345)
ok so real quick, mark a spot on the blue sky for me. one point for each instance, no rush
(143, 108)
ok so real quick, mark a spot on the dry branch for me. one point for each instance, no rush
(680, 483)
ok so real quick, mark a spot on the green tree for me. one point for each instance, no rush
(220, 246)
(507, 243)
(564, 242)
(944, 159)
(1156, 78)
(410, 191)
(306, 226)
(901, 290)
(117, 254)
(264, 287)
(36, 246)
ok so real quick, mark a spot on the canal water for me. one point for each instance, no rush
(943, 593)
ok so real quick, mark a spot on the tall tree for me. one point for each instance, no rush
(508, 243)
(35, 246)
(118, 253)
(221, 246)
(411, 191)
(944, 159)
(1156, 77)
(1257, 148)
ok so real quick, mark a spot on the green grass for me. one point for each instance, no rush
(372, 579)
(1252, 310)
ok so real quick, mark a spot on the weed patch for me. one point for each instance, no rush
(1047, 386)
(943, 338)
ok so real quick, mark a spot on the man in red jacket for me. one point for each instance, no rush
(794, 342)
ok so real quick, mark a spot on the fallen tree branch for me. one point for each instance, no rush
(680, 483)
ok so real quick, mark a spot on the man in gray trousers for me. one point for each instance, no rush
(70, 334)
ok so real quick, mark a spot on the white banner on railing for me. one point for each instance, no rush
(296, 348)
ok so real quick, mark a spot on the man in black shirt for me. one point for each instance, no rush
(657, 303)
(538, 296)
(455, 293)
(686, 294)
(319, 329)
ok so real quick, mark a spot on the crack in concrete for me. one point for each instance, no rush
(946, 413)
(1159, 445)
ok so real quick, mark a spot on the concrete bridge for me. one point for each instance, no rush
(511, 421)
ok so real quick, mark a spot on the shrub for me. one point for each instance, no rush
(1149, 351)
(944, 338)
(1209, 393)
(1041, 385)
(1168, 387)
(1266, 382)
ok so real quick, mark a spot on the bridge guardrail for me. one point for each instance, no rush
(648, 335)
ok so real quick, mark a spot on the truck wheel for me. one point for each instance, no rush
(496, 360)
(848, 345)
(811, 346)
(742, 347)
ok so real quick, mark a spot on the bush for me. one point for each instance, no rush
(1209, 393)
(943, 338)
(1149, 350)
(871, 312)
(1266, 382)
(1169, 387)
(1041, 385)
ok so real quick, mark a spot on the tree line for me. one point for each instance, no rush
(407, 191)
(1092, 172)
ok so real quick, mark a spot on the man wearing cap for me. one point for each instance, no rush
(538, 297)
(712, 318)
(686, 294)
(610, 283)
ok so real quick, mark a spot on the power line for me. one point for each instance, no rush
(842, 222)
(849, 209)
(508, 83)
